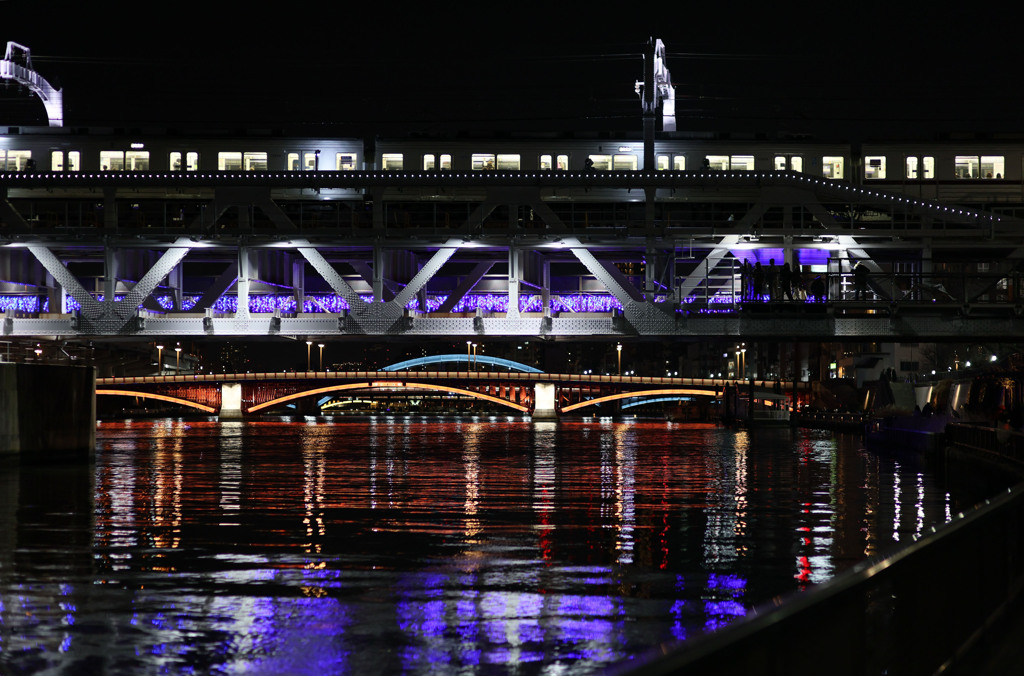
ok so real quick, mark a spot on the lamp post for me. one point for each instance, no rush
(469, 345)
(618, 351)
(159, 359)
(177, 360)
(309, 346)
(474, 356)
(321, 346)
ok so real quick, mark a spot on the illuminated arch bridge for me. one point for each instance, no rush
(239, 394)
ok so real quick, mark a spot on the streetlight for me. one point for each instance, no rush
(618, 350)
(309, 346)
(177, 360)
(160, 359)
(321, 346)
(469, 345)
(474, 356)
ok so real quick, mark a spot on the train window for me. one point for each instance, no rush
(927, 166)
(136, 160)
(483, 161)
(310, 161)
(229, 161)
(293, 161)
(624, 162)
(346, 161)
(255, 161)
(679, 162)
(966, 166)
(601, 162)
(717, 162)
(508, 162)
(112, 160)
(662, 162)
(742, 162)
(832, 167)
(992, 166)
(429, 162)
(793, 163)
(392, 162)
(725, 162)
(235, 161)
(191, 161)
(116, 160)
(874, 166)
(57, 160)
(15, 160)
(561, 162)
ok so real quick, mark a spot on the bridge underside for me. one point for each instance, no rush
(598, 255)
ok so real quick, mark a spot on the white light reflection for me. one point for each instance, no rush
(314, 474)
(919, 525)
(896, 502)
(230, 467)
(625, 491)
(471, 463)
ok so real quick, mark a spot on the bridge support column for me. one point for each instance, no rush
(47, 412)
(230, 401)
(544, 402)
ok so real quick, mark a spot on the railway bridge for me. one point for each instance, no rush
(146, 255)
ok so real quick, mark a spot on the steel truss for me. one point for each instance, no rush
(666, 246)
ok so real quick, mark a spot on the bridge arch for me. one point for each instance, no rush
(462, 359)
(675, 392)
(17, 65)
(161, 397)
(386, 384)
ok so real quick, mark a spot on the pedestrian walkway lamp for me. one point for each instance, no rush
(469, 345)
(159, 359)
(618, 350)
(177, 359)
(309, 346)
(321, 346)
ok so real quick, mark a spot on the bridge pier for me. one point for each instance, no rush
(230, 401)
(544, 402)
(47, 412)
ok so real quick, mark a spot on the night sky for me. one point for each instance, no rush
(852, 73)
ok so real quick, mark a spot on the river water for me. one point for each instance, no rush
(426, 545)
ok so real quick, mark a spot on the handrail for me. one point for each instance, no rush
(912, 612)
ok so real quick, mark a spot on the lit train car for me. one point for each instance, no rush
(607, 154)
(967, 171)
(72, 150)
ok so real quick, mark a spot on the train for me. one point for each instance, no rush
(967, 169)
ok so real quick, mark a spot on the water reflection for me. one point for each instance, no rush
(418, 545)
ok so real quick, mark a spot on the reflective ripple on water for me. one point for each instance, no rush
(380, 545)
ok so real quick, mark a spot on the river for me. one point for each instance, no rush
(420, 545)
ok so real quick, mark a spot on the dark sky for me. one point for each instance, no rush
(381, 69)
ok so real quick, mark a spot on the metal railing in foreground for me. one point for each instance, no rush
(914, 612)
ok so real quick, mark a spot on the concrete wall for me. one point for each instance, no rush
(47, 411)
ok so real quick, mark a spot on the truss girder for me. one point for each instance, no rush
(90, 306)
(129, 305)
(711, 261)
(440, 257)
(466, 285)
